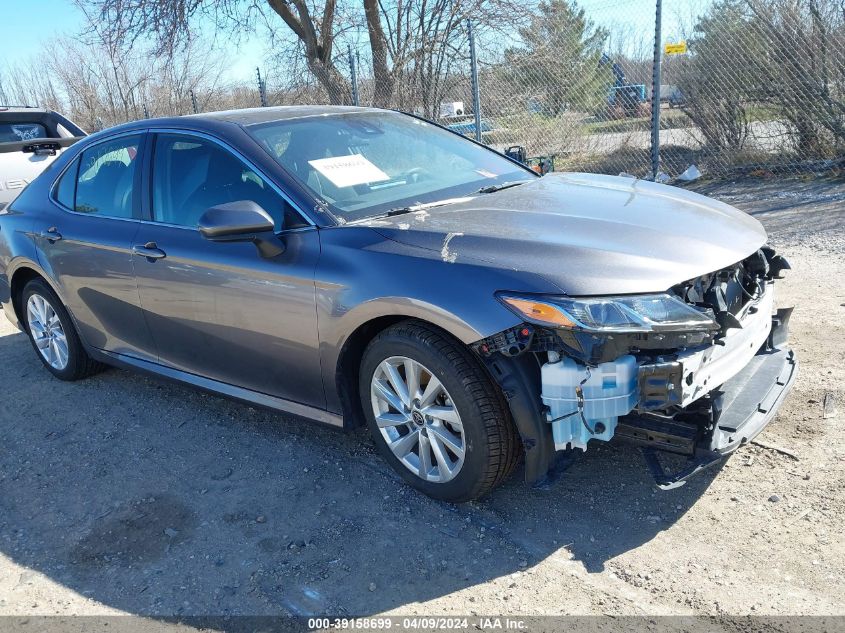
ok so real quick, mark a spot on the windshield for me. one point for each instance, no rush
(367, 163)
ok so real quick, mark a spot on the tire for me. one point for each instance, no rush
(38, 303)
(475, 418)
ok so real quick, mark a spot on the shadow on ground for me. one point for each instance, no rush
(156, 499)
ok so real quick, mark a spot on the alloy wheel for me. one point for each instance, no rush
(418, 419)
(46, 330)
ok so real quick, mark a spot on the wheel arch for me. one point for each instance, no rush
(347, 367)
(22, 274)
(345, 334)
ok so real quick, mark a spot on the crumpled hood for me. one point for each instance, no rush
(587, 234)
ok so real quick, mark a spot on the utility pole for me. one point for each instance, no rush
(655, 90)
(476, 95)
(262, 88)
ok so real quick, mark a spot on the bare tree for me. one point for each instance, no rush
(99, 85)
(406, 40)
(169, 24)
(718, 90)
(802, 67)
(782, 57)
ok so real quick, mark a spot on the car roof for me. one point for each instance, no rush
(253, 116)
(217, 121)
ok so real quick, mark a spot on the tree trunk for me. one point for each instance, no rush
(318, 46)
(383, 78)
(332, 81)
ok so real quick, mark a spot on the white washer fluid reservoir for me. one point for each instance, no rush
(606, 392)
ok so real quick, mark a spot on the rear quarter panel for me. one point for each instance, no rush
(17, 222)
(17, 250)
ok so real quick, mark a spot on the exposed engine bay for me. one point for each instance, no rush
(699, 384)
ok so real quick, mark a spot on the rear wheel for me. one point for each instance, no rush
(434, 413)
(53, 335)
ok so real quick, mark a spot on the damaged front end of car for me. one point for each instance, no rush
(697, 370)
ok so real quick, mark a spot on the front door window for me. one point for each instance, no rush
(192, 174)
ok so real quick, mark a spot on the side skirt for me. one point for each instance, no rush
(219, 388)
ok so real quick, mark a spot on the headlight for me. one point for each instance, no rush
(635, 313)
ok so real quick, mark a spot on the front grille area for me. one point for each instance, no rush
(726, 292)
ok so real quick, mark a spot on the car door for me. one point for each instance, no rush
(85, 244)
(221, 310)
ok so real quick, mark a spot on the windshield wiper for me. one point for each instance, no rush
(504, 185)
(428, 205)
(419, 207)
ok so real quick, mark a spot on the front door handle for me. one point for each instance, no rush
(52, 235)
(148, 250)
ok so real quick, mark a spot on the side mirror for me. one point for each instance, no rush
(241, 221)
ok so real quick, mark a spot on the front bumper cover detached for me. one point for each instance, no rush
(752, 398)
(749, 401)
(740, 409)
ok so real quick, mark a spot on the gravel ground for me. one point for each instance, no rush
(125, 494)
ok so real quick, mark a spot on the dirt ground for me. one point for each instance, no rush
(126, 494)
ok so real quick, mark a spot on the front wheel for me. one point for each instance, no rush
(435, 414)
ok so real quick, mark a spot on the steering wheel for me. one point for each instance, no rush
(416, 174)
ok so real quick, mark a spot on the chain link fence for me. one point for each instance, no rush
(744, 86)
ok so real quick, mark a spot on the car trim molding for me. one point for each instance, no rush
(220, 388)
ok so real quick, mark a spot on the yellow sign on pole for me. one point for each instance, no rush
(675, 49)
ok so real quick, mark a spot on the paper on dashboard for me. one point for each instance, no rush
(347, 171)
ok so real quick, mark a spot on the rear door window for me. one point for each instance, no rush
(106, 181)
(65, 192)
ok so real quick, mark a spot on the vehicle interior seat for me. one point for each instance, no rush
(122, 201)
(183, 174)
(108, 191)
(301, 149)
(219, 185)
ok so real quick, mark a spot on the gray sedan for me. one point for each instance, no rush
(359, 266)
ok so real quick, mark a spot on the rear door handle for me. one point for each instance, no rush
(52, 235)
(148, 250)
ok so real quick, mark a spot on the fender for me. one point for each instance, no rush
(336, 333)
(362, 277)
(15, 267)
(413, 309)
(516, 377)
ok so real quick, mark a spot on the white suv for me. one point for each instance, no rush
(30, 139)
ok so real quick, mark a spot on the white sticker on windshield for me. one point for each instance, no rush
(346, 171)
